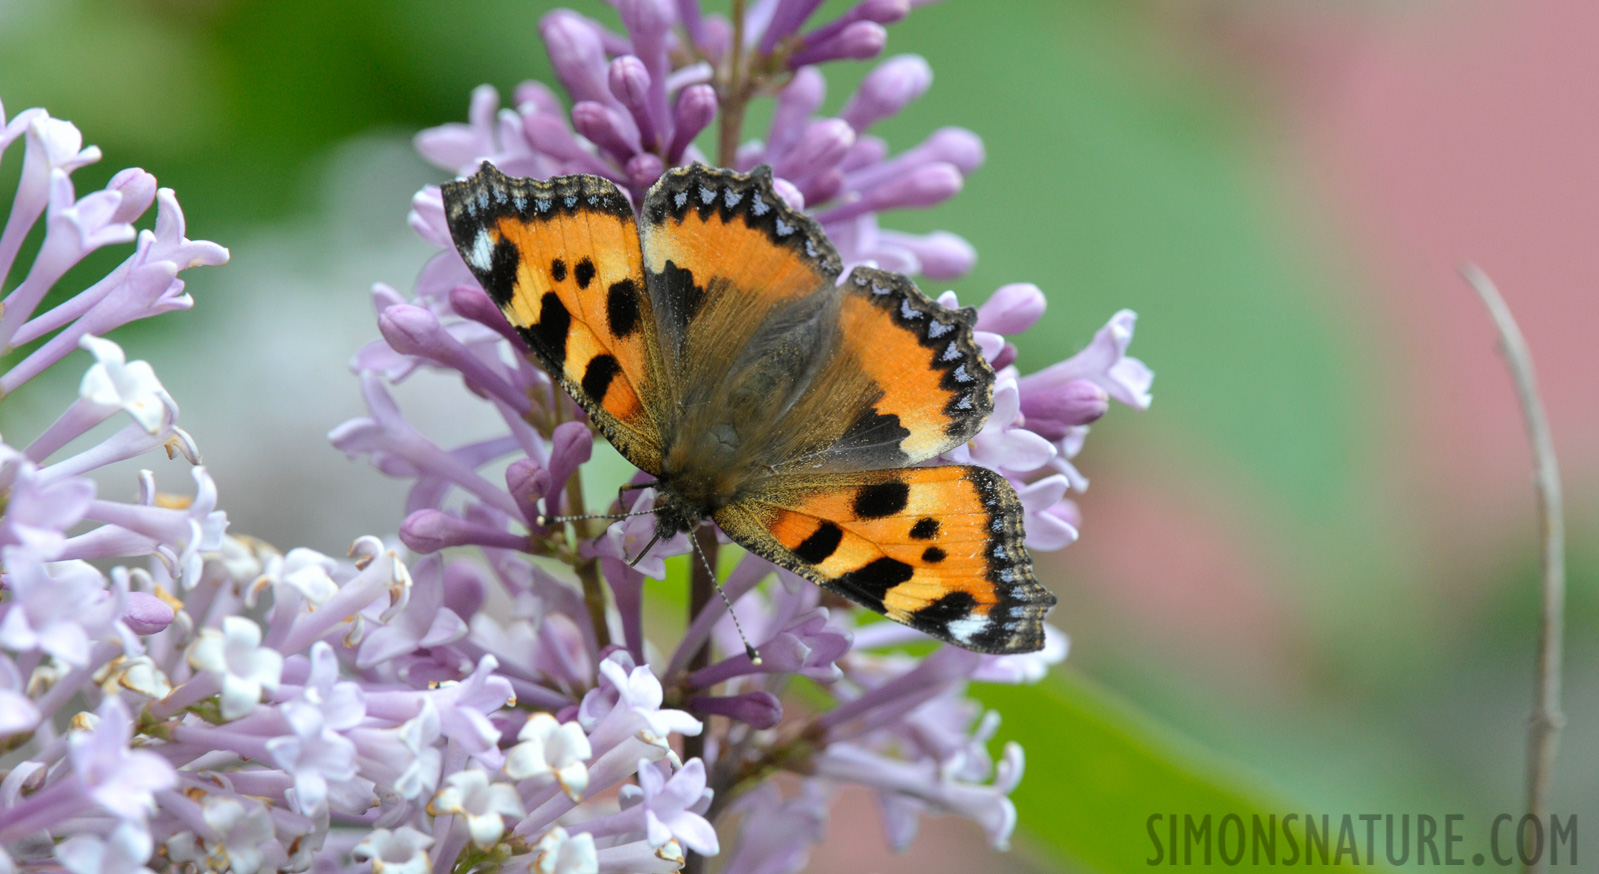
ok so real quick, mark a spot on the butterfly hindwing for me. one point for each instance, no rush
(937, 548)
(561, 260)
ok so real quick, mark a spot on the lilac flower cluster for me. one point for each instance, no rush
(641, 100)
(481, 694)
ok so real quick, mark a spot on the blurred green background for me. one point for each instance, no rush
(1307, 578)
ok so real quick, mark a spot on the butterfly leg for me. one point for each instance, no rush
(633, 562)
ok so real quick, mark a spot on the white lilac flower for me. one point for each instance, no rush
(18, 714)
(116, 383)
(481, 803)
(243, 831)
(123, 851)
(38, 513)
(551, 749)
(401, 851)
(234, 653)
(121, 780)
(559, 852)
(57, 609)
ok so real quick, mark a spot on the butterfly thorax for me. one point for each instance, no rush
(699, 477)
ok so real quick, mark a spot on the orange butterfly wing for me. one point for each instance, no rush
(561, 260)
(936, 548)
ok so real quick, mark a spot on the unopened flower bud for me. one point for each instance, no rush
(603, 126)
(859, 41)
(696, 107)
(1050, 413)
(887, 90)
(1012, 309)
(138, 192)
(630, 83)
(146, 614)
(757, 709)
(821, 147)
(576, 54)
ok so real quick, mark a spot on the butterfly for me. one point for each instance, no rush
(710, 341)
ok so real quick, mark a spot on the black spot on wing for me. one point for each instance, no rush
(926, 528)
(934, 555)
(879, 500)
(500, 279)
(558, 270)
(622, 308)
(870, 582)
(584, 274)
(548, 335)
(821, 544)
(873, 430)
(939, 614)
(598, 375)
(680, 297)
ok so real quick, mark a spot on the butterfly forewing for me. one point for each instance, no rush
(561, 260)
(937, 548)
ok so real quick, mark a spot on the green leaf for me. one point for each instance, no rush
(1098, 771)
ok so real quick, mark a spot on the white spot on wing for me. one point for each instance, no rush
(706, 195)
(784, 228)
(966, 628)
(938, 329)
(878, 289)
(520, 202)
(952, 352)
(482, 255)
(571, 202)
(907, 312)
(680, 198)
(810, 248)
(960, 373)
(759, 206)
(543, 204)
(731, 197)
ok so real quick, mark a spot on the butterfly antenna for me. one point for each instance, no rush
(755, 657)
(546, 520)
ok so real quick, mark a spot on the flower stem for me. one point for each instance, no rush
(701, 589)
(1543, 735)
(588, 570)
(734, 94)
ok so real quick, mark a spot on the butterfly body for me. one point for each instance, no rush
(710, 341)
